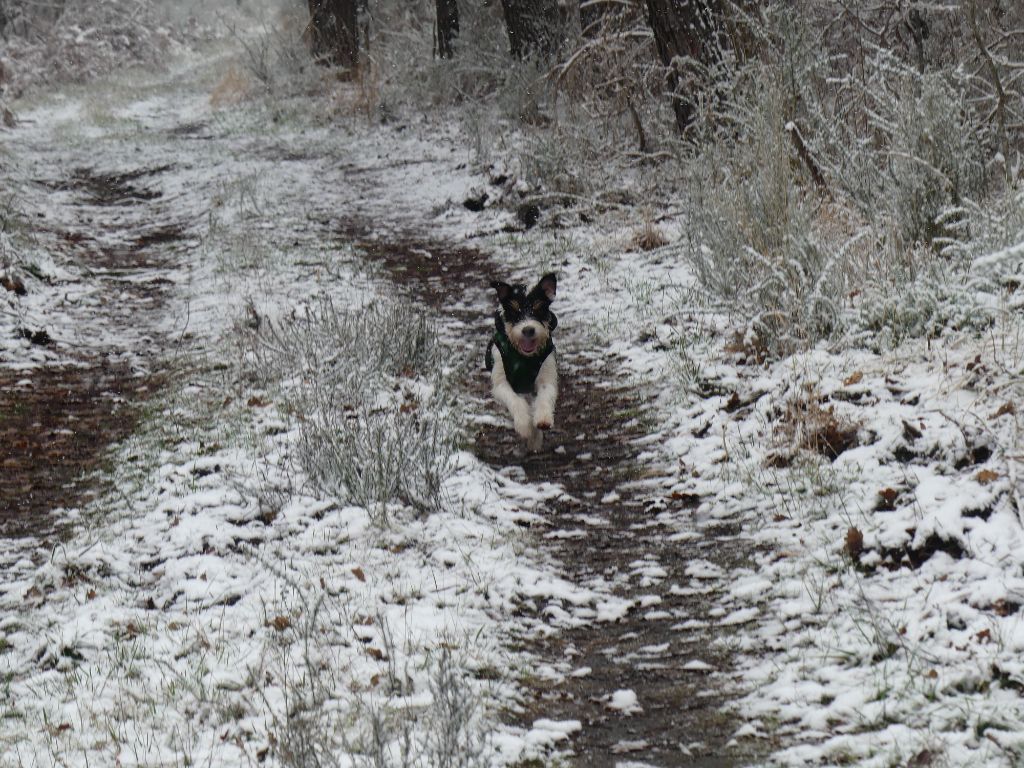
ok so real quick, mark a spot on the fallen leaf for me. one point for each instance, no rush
(376, 653)
(984, 636)
(1005, 409)
(733, 404)
(1003, 608)
(281, 623)
(358, 573)
(986, 476)
(854, 543)
(853, 378)
(887, 499)
(689, 499)
(13, 284)
(778, 460)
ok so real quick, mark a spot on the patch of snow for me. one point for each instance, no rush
(624, 701)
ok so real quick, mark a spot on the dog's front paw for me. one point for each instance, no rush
(523, 425)
(544, 421)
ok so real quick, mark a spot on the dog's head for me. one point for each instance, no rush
(526, 317)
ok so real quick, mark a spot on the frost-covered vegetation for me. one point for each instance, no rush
(46, 43)
(844, 170)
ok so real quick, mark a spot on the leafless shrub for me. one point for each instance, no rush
(917, 158)
(452, 737)
(277, 57)
(368, 391)
(760, 243)
(850, 160)
(77, 40)
(930, 300)
(374, 456)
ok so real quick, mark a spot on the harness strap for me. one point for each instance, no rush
(520, 370)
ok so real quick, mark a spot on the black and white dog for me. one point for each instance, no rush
(524, 376)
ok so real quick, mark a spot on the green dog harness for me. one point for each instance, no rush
(520, 370)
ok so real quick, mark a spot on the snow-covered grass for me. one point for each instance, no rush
(195, 618)
(879, 620)
(891, 629)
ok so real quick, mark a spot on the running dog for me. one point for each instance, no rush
(524, 376)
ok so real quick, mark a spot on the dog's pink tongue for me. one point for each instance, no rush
(528, 345)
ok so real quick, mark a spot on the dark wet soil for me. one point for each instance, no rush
(58, 422)
(55, 426)
(108, 188)
(609, 538)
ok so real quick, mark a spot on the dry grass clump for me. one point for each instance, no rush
(806, 424)
(233, 88)
(367, 98)
(647, 237)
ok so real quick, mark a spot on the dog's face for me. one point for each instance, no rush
(527, 317)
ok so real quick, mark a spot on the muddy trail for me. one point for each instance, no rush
(613, 530)
(59, 419)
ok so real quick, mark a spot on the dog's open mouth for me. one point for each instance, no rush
(527, 346)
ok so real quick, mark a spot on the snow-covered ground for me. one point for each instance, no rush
(212, 607)
(216, 607)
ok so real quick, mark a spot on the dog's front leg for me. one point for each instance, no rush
(517, 406)
(547, 394)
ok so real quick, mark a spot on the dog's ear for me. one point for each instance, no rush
(547, 285)
(504, 289)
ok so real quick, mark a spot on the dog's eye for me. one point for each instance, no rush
(514, 306)
(538, 307)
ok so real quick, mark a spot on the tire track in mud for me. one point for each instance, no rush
(615, 529)
(59, 419)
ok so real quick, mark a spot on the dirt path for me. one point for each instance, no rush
(615, 529)
(612, 531)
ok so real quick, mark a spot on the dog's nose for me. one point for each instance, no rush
(529, 331)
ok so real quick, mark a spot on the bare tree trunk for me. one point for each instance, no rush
(334, 32)
(447, 28)
(534, 27)
(687, 34)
